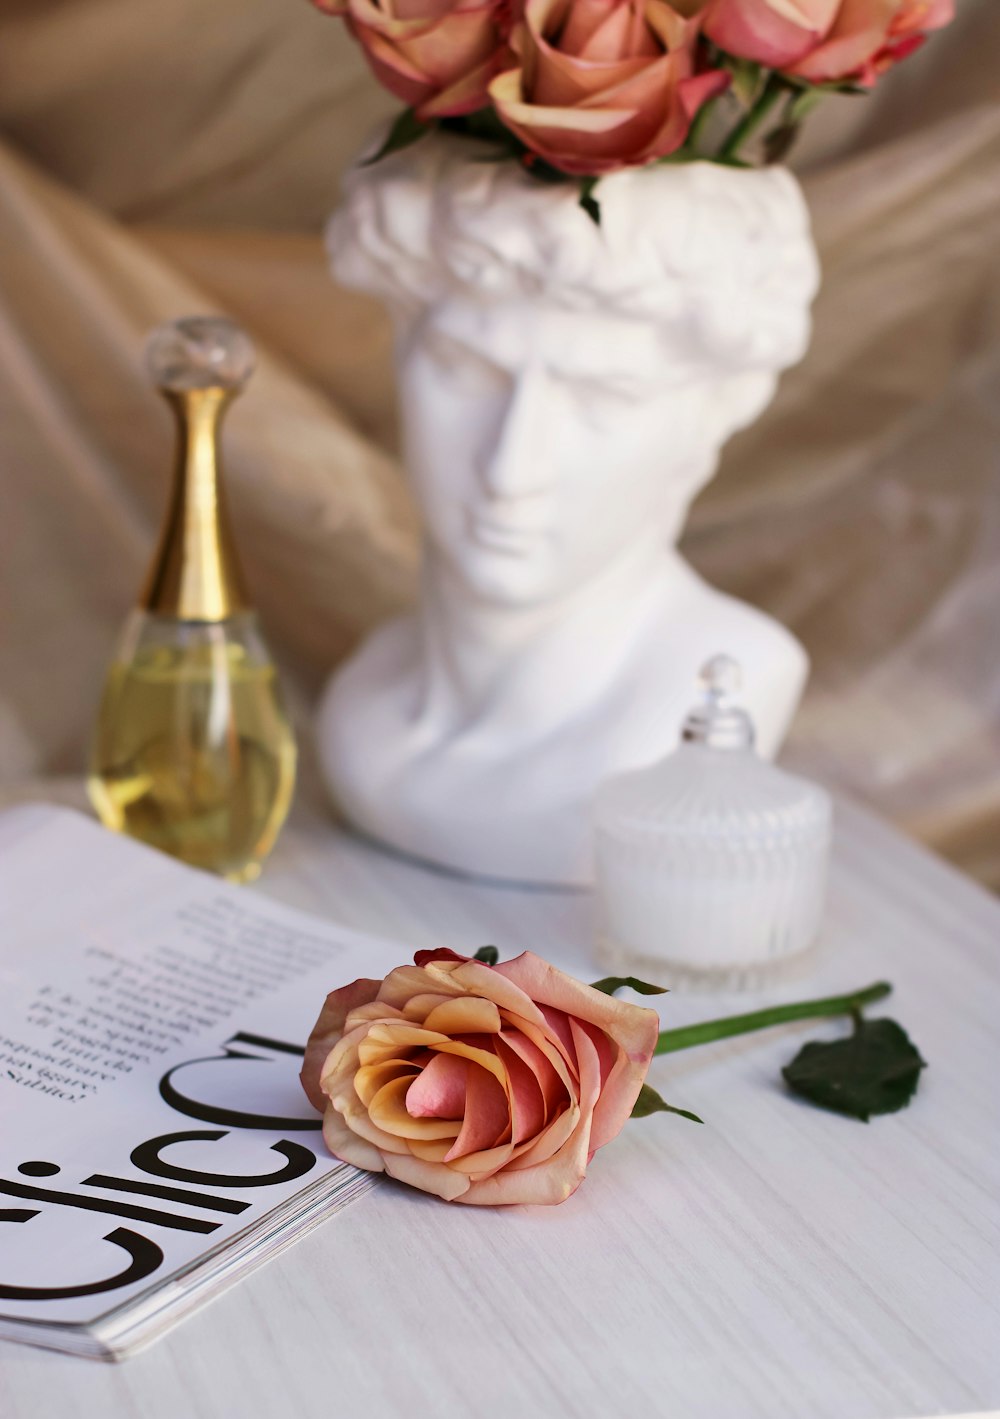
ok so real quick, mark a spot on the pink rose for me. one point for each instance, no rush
(438, 56)
(825, 40)
(603, 84)
(482, 1084)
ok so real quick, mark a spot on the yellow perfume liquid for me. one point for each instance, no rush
(192, 751)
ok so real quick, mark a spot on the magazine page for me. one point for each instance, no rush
(152, 1020)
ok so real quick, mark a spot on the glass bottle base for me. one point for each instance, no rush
(679, 975)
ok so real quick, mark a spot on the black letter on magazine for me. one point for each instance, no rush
(255, 1047)
(147, 1158)
(145, 1258)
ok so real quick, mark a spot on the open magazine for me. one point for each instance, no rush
(155, 1144)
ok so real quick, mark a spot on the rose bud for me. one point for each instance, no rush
(603, 84)
(482, 1084)
(825, 41)
(438, 56)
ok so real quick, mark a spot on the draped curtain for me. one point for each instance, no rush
(178, 157)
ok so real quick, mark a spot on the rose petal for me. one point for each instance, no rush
(440, 953)
(341, 1064)
(547, 1182)
(564, 82)
(772, 32)
(418, 1007)
(355, 1117)
(370, 1078)
(438, 1091)
(473, 978)
(560, 1175)
(345, 1144)
(487, 1114)
(554, 1091)
(388, 1112)
(386, 1041)
(550, 1047)
(633, 1027)
(465, 1015)
(327, 1031)
(558, 1023)
(607, 1051)
(434, 1150)
(552, 1137)
(528, 1107)
(404, 982)
(484, 1058)
(437, 1178)
(860, 31)
(484, 1163)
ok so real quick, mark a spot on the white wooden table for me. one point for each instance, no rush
(778, 1262)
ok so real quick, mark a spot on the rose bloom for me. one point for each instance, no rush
(825, 40)
(603, 84)
(482, 1084)
(438, 56)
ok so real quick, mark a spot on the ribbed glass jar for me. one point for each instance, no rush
(711, 865)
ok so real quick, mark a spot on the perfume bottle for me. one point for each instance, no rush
(193, 752)
(711, 864)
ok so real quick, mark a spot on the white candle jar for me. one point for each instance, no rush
(711, 864)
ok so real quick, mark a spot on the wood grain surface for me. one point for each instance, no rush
(779, 1261)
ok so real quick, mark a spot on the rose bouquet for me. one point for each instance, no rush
(575, 89)
(494, 1083)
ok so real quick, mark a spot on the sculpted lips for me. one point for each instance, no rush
(514, 528)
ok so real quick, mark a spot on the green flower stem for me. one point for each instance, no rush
(688, 1035)
(697, 127)
(752, 120)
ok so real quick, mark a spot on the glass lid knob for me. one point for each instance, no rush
(717, 721)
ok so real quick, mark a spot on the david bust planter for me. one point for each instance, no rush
(566, 389)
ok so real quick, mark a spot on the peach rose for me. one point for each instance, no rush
(603, 84)
(482, 1084)
(825, 40)
(438, 56)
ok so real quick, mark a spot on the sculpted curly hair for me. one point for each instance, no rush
(718, 260)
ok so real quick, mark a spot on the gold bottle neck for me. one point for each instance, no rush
(196, 574)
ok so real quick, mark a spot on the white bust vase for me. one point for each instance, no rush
(566, 389)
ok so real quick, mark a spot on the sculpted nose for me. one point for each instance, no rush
(516, 464)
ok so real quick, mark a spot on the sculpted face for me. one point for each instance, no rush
(545, 443)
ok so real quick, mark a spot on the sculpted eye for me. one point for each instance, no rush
(610, 393)
(601, 402)
(459, 362)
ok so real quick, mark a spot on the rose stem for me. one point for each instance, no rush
(709, 1030)
(752, 120)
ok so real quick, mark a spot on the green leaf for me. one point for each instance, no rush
(588, 201)
(746, 76)
(485, 125)
(542, 171)
(406, 129)
(649, 1102)
(489, 955)
(875, 1070)
(780, 142)
(612, 983)
(802, 105)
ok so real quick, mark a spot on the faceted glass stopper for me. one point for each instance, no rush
(718, 722)
(199, 352)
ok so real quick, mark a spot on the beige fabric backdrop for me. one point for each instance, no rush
(160, 159)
